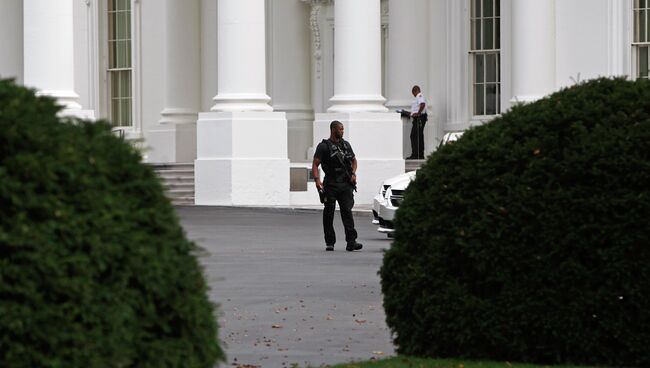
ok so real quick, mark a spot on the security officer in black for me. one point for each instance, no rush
(340, 166)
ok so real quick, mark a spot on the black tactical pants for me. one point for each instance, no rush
(417, 136)
(341, 192)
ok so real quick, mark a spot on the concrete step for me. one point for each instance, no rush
(180, 192)
(183, 200)
(175, 172)
(178, 181)
(174, 166)
(183, 203)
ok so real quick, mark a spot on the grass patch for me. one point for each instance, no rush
(442, 363)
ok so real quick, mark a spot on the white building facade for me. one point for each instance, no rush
(245, 89)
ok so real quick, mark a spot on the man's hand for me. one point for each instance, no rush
(315, 173)
(353, 179)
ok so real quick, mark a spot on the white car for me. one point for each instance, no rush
(381, 196)
(450, 137)
(391, 199)
(394, 197)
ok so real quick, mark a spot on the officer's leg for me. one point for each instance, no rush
(328, 217)
(421, 124)
(414, 139)
(346, 202)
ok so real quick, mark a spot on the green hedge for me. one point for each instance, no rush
(529, 238)
(95, 270)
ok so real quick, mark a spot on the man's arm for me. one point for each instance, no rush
(315, 173)
(420, 110)
(421, 107)
(354, 171)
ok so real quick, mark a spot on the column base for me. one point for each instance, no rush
(241, 182)
(525, 99)
(342, 104)
(377, 142)
(393, 105)
(242, 159)
(178, 116)
(240, 102)
(69, 100)
(78, 113)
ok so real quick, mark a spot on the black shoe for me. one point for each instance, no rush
(353, 246)
(329, 247)
(411, 157)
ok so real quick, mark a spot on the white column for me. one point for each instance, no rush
(182, 76)
(374, 133)
(533, 49)
(242, 144)
(11, 39)
(241, 60)
(49, 52)
(357, 62)
(407, 51)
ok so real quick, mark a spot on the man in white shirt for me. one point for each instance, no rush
(419, 116)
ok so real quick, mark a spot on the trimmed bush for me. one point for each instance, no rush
(529, 238)
(95, 270)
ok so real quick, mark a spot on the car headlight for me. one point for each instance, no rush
(396, 201)
(383, 190)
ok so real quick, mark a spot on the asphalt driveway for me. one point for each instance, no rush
(283, 300)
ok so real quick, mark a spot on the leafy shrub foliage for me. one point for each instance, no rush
(95, 270)
(529, 238)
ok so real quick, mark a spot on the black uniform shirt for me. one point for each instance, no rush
(329, 162)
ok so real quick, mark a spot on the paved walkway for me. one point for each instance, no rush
(283, 299)
(358, 208)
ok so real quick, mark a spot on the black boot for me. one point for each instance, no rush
(353, 246)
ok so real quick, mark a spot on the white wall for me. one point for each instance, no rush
(592, 39)
(11, 39)
(581, 40)
(289, 71)
(208, 53)
(153, 78)
(436, 89)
